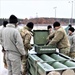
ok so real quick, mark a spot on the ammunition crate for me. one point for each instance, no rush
(46, 59)
(45, 49)
(40, 40)
(39, 64)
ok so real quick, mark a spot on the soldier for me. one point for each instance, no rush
(26, 35)
(4, 25)
(66, 29)
(49, 27)
(13, 45)
(51, 31)
(71, 36)
(60, 39)
(3, 50)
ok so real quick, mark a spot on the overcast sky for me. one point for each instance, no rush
(37, 8)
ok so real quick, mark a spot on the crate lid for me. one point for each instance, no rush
(40, 36)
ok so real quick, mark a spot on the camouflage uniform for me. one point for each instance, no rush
(4, 60)
(60, 39)
(26, 35)
(72, 42)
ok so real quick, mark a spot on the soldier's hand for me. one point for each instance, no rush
(24, 56)
(30, 48)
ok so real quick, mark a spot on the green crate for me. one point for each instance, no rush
(40, 40)
(39, 66)
(40, 37)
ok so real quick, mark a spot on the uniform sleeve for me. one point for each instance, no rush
(27, 41)
(19, 43)
(50, 36)
(57, 37)
(73, 42)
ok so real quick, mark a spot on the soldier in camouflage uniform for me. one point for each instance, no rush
(71, 36)
(49, 27)
(60, 39)
(26, 35)
(3, 50)
(66, 29)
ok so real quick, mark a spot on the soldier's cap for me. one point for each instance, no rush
(13, 19)
(30, 25)
(49, 26)
(5, 23)
(70, 25)
(56, 24)
(71, 29)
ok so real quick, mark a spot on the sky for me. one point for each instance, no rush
(37, 8)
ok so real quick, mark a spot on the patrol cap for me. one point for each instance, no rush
(56, 24)
(70, 25)
(30, 25)
(49, 26)
(71, 29)
(5, 23)
(13, 19)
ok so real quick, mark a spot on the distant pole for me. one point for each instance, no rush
(55, 11)
(71, 20)
(37, 17)
(72, 13)
(36, 20)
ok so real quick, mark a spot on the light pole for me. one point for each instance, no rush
(37, 18)
(55, 11)
(71, 21)
(36, 15)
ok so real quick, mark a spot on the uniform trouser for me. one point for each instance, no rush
(4, 60)
(13, 64)
(65, 51)
(25, 64)
(72, 55)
